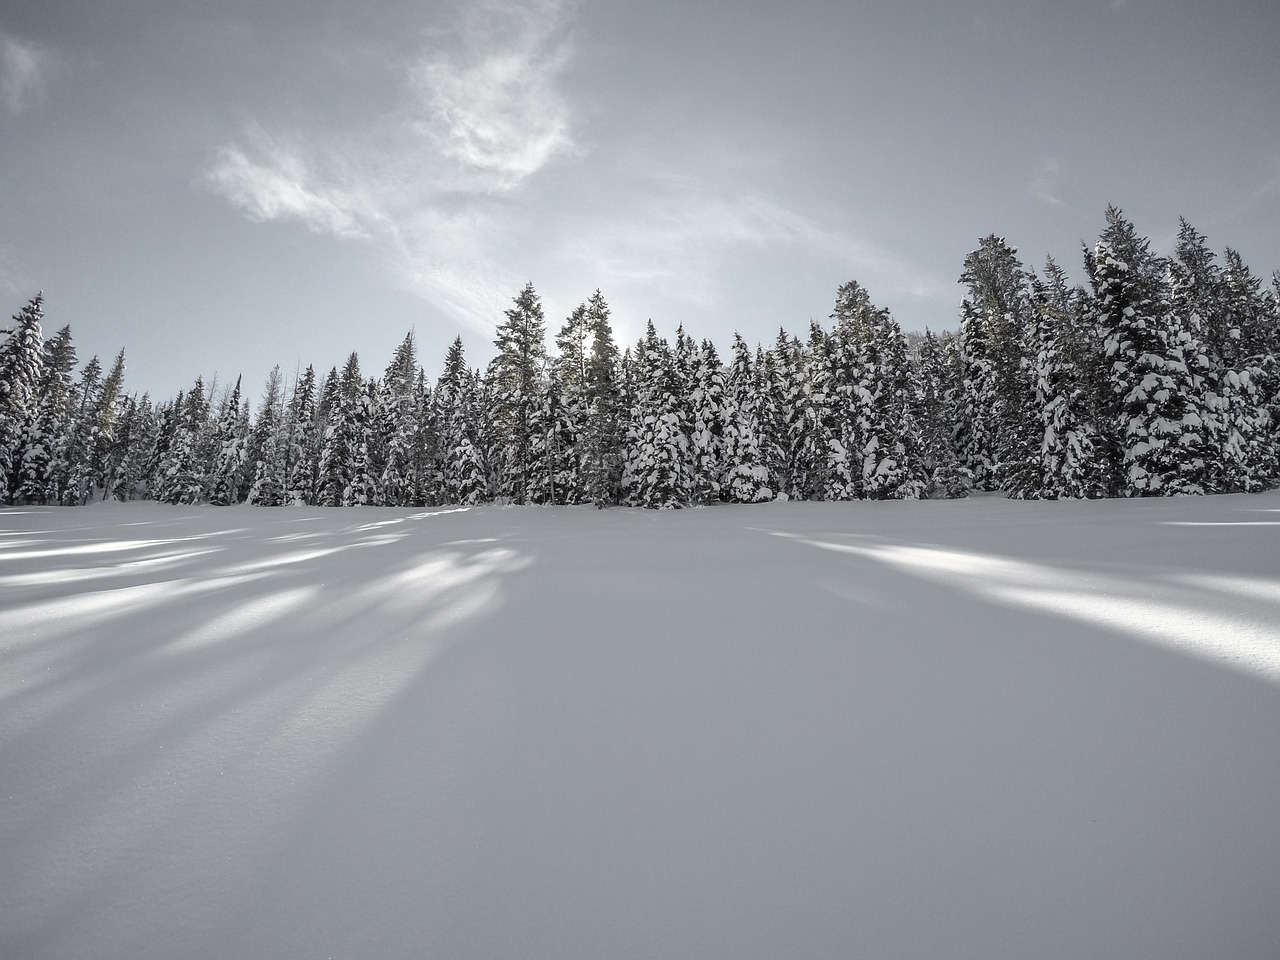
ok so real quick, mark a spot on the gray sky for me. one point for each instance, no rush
(219, 188)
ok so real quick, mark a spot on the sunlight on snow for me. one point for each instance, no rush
(251, 615)
(77, 574)
(1212, 629)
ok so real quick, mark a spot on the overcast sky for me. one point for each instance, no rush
(221, 187)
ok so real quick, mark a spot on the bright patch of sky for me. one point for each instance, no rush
(221, 189)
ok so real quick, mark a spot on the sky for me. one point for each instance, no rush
(221, 188)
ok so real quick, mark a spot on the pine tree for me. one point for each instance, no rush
(301, 465)
(21, 370)
(397, 424)
(231, 444)
(874, 386)
(604, 431)
(1070, 462)
(707, 439)
(462, 469)
(745, 473)
(657, 469)
(181, 474)
(71, 469)
(1000, 439)
(267, 447)
(50, 424)
(515, 379)
(1158, 431)
(946, 478)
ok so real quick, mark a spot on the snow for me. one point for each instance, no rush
(978, 728)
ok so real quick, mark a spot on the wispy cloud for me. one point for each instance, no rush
(281, 183)
(494, 104)
(24, 70)
(1044, 186)
(482, 112)
(684, 243)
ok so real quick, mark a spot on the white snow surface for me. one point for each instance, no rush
(974, 729)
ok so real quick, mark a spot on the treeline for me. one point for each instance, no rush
(1160, 378)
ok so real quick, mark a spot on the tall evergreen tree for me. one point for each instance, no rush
(1070, 462)
(1001, 442)
(515, 378)
(231, 445)
(302, 466)
(657, 473)
(462, 469)
(1159, 433)
(267, 447)
(21, 370)
(604, 431)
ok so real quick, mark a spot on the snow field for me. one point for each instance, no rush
(975, 728)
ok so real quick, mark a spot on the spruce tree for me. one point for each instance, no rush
(266, 451)
(1070, 463)
(301, 465)
(604, 432)
(1001, 442)
(21, 370)
(945, 477)
(1159, 433)
(231, 445)
(515, 379)
(657, 473)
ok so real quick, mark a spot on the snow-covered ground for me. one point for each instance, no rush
(977, 729)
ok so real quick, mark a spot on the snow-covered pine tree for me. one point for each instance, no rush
(568, 386)
(70, 471)
(820, 448)
(656, 474)
(131, 440)
(343, 406)
(1159, 431)
(945, 479)
(604, 431)
(267, 448)
(1071, 463)
(1247, 448)
(515, 382)
(50, 424)
(231, 446)
(1001, 433)
(105, 413)
(874, 379)
(362, 490)
(301, 466)
(182, 472)
(746, 473)
(461, 465)
(397, 426)
(553, 474)
(21, 370)
(782, 416)
(425, 445)
(708, 405)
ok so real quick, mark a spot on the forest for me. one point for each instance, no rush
(1161, 377)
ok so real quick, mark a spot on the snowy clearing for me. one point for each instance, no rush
(966, 729)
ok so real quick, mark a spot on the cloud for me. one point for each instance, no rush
(680, 240)
(481, 113)
(281, 185)
(24, 70)
(495, 106)
(1044, 186)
